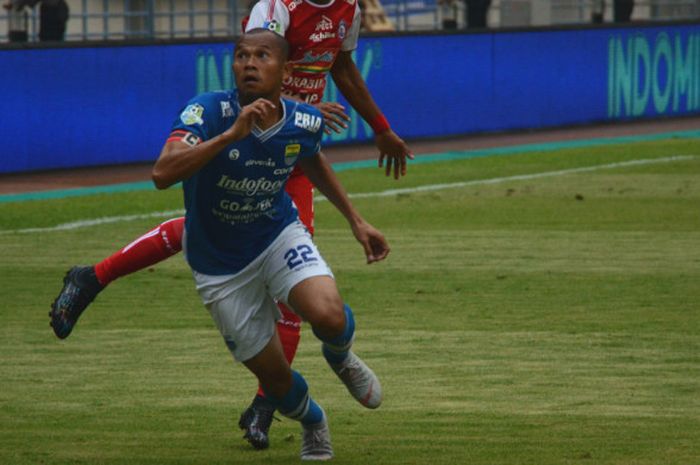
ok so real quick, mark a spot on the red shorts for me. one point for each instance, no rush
(301, 191)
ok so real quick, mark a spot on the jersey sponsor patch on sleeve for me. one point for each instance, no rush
(192, 114)
(184, 136)
(226, 110)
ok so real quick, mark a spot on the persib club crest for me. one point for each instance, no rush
(342, 29)
(291, 152)
(192, 114)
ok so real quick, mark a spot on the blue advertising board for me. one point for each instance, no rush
(97, 105)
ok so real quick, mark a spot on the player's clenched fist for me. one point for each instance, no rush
(250, 114)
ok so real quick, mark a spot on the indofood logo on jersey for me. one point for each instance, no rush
(248, 186)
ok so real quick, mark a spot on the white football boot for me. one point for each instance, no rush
(360, 380)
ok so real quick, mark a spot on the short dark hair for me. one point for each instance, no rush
(280, 42)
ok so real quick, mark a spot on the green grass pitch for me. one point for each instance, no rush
(548, 320)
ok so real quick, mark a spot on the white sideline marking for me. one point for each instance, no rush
(520, 177)
(98, 221)
(387, 193)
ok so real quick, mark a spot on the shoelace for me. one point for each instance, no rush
(265, 417)
(353, 371)
(75, 298)
(313, 439)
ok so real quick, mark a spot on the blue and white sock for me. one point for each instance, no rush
(297, 404)
(335, 350)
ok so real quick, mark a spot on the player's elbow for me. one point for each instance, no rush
(159, 178)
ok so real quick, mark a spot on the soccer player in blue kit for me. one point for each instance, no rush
(234, 152)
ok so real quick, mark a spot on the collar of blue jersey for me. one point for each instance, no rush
(272, 130)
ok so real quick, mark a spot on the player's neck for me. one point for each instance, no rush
(273, 118)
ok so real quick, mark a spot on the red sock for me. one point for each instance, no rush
(155, 246)
(289, 329)
(301, 191)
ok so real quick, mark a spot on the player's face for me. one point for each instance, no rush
(259, 67)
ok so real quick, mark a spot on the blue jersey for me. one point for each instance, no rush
(236, 204)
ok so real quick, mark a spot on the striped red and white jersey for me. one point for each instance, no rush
(316, 34)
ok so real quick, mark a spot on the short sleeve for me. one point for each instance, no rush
(198, 117)
(350, 41)
(311, 149)
(313, 146)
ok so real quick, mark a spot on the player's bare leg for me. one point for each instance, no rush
(317, 301)
(288, 392)
(82, 284)
(257, 418)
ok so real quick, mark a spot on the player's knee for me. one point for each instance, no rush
(330, 320)
(319, 303)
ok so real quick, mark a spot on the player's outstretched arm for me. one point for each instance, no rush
(350, 83)
(178, 160)
(319, 171)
